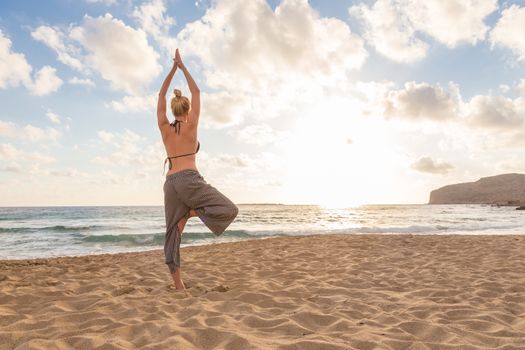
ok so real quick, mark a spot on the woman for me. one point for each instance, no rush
(186, 193)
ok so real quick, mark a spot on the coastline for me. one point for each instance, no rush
(337, 291)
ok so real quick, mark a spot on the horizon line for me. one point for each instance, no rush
(160, 205)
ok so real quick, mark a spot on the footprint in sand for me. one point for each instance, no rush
(124, 290)
(220, 288)
(199, 289)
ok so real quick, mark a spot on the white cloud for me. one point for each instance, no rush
(129, 148)
(452, 22)
(517, 140)
(53, 117)
(238, 36)
(495, 112)
(264, 61)
(242, 173)
(55, 39)
(483, 123)
(28, 132)
(258, 134)
(504, 88)
(153, 21)
(135, 103)
(521, 87)
(221, 108)
(14, 168)
(10, 152)
(46, 82)
(484, 117)
(14, 68)
(236, 161)
(68, 172)
(33, 133)
(152, 18)
(428, 165)
(391, 26)
(105, 136)
(124, 58)
(80, 81)
(509, 31)
(7, 129)
(15, 71)
(520, 100)
(423, 101)
(390, 31)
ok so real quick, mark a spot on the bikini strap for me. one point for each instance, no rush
(168, 159)
(176, 125)
(182, 155)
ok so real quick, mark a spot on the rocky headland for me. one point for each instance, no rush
(505, 189)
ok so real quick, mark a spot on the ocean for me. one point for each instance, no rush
(37, 232)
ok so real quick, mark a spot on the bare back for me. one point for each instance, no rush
(180, 143)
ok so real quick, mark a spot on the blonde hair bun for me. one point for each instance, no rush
(180, 105)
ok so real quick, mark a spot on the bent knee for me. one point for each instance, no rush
(228, 212)
(234, 211)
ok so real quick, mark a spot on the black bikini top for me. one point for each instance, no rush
(176, 125)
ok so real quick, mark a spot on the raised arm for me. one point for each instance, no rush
(194, 89)
(162, 119)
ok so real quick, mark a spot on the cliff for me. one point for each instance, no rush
(506, 189)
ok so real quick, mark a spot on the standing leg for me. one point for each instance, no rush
(174, 266)
(175, 212)
(177, 275)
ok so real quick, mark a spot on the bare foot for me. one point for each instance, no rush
(179, 285)
(177, 280)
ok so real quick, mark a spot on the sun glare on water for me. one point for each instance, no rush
(342, 203)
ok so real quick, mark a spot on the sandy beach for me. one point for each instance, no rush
(312, 292)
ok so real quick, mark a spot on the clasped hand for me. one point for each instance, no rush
(177, 61)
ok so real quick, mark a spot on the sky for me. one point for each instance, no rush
(336, 103)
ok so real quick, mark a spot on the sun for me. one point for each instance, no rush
(338, 159)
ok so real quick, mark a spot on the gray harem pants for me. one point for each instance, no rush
(185, 190)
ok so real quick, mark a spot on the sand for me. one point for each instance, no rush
(311, 292)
